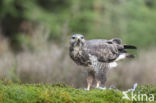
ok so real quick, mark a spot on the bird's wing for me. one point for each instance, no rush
(104, 50)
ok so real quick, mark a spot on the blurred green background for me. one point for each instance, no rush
(132, 20)
(31, 30)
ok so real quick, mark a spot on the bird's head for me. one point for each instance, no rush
(77, 40)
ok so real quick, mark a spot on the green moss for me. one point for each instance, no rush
(60, 93)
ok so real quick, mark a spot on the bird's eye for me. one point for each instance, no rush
(82, 37)
(73, 37)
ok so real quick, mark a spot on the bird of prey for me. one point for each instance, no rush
(97, 56)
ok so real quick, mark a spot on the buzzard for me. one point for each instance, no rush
(97, 56)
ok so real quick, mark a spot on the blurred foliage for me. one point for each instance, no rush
(132, 20)
(39, 93)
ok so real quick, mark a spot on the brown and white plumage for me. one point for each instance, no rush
(98, 55)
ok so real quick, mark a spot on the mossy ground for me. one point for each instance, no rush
(60, 93)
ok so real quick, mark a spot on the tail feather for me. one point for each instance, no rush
(129, 47)
(125, 55)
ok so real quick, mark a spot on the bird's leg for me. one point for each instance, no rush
(100, 81)
(89, 81)
(97, 83)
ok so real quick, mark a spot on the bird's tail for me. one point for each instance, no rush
(129, 47)
(124, 56)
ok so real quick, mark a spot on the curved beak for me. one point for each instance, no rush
(78, 39)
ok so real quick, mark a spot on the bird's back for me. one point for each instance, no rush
(104, 50)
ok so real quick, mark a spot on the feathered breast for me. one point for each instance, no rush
(80, 56)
